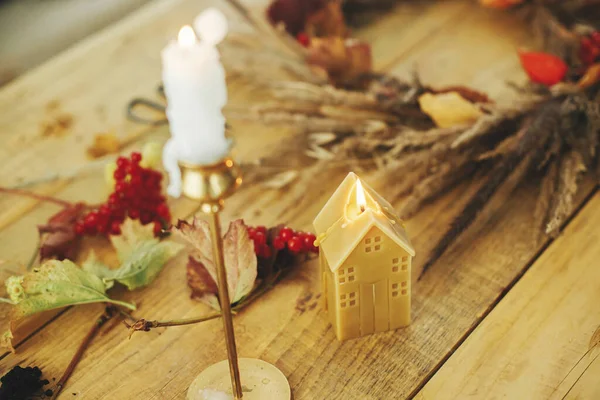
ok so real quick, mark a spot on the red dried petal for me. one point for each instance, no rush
(543, 68)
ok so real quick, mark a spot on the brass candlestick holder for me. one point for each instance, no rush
(210, 185)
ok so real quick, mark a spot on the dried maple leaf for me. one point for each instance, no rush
(58, 237)
(342, 59)
(449, 109)
(238, 252)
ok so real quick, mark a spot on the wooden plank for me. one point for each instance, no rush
(536, 343)
(446, 303)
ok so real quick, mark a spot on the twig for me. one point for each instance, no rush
(146, 326)
(143, 325)
(104, 318)
(36, 196)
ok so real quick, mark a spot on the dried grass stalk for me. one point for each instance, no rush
(348, 113)
(325, 95)
(448, 175)
(546, 196)
(412, 138)
(571, 168)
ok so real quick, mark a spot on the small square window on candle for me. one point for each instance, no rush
(394, 294)
(352, 303)
(351, 278)
(368, 249)
(377, 238)
(404, 259)
(350, 270)
(403, 284)
(404, 267)
(395, 268)
(352, 295)
(343, 304)
(404, 292)
(343, 297)
(367, 240)
(377, 247)
(342, 280)
(394, 286)
(395, 260)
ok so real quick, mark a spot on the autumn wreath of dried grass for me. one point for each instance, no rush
(349, 114)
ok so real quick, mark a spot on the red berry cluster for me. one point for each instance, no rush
(296, 242)
(259, 237)
(590, 48)
(137, 195)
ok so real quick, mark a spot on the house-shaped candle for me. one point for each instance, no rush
(365, 261)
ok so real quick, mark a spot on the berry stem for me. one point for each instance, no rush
(145, 325)
(102, 319)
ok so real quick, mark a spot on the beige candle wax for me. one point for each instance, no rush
(365, 261)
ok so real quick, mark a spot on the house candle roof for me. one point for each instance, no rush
(342, 223)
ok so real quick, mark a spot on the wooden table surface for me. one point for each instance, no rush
(501, 315)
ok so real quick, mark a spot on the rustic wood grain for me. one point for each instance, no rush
(108, 69)
(536, 343)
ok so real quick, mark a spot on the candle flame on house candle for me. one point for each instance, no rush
(360, 196)
(186, 37)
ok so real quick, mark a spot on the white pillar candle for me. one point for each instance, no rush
(194, 82)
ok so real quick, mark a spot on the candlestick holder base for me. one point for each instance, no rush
(260, 381)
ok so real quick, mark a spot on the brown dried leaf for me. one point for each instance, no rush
(343, 59)
(203, 285)
(104, 143)
(466, 93)
(58, 237)
(591, 77)
(449, 109)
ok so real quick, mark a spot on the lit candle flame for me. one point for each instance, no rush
(186, 37)
(360, 196)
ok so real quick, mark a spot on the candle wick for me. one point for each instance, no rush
(362, 208)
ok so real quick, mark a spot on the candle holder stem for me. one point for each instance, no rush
(217, 242)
